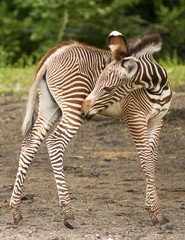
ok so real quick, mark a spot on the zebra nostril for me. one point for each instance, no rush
(83, 114)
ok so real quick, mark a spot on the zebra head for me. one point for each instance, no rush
(115, 81)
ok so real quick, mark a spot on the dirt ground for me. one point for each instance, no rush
(104, 177)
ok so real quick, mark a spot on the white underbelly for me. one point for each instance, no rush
(113, 110)
(158, 111)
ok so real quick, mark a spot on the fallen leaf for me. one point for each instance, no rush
(100, 162)
(86, 148)
(81, 166)
(124, 130)
(79, 157)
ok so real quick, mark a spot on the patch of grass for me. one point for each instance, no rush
(176, 76)
(176, 72)
(16, 81)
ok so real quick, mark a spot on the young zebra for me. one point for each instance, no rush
(64, 78)
(143, 109)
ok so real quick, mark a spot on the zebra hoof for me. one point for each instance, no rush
(166, 224)
(18, 220)
(154, 222)
(163, 221)
(69, 224)
(69, 220)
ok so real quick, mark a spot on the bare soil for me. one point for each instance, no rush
(104, 177)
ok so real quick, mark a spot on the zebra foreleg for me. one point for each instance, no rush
(56, 144)
(140, 136)
(154, 127)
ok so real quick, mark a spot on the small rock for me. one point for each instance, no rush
(98, 235)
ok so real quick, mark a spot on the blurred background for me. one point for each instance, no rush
(29, 28)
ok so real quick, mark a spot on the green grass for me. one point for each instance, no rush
(176, 72)
(17, 81)
(176, 76)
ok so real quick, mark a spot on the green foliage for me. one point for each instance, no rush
(29, 28)
(171, 22)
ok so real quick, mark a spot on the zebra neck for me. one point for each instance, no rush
(152, 75)
(92, 62)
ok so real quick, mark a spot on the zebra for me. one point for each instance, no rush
(142, 109)
(64, 78)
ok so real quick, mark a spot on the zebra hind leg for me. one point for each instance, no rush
(30, 146)
(56, 144)
(48, 114)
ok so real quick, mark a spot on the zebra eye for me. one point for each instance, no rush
(123, 61)
(108, 89)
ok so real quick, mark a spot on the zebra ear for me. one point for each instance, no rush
(131, 65)
(118, 45)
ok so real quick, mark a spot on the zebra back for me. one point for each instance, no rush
(72, 59)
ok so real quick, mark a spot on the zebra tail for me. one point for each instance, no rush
(29, 116)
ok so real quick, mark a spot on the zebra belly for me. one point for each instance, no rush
(157, 114)
(113, 110)
(158, 111)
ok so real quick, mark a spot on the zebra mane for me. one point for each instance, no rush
(148, 44)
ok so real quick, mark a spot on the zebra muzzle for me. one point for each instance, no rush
(85, 109)
(86, 116)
